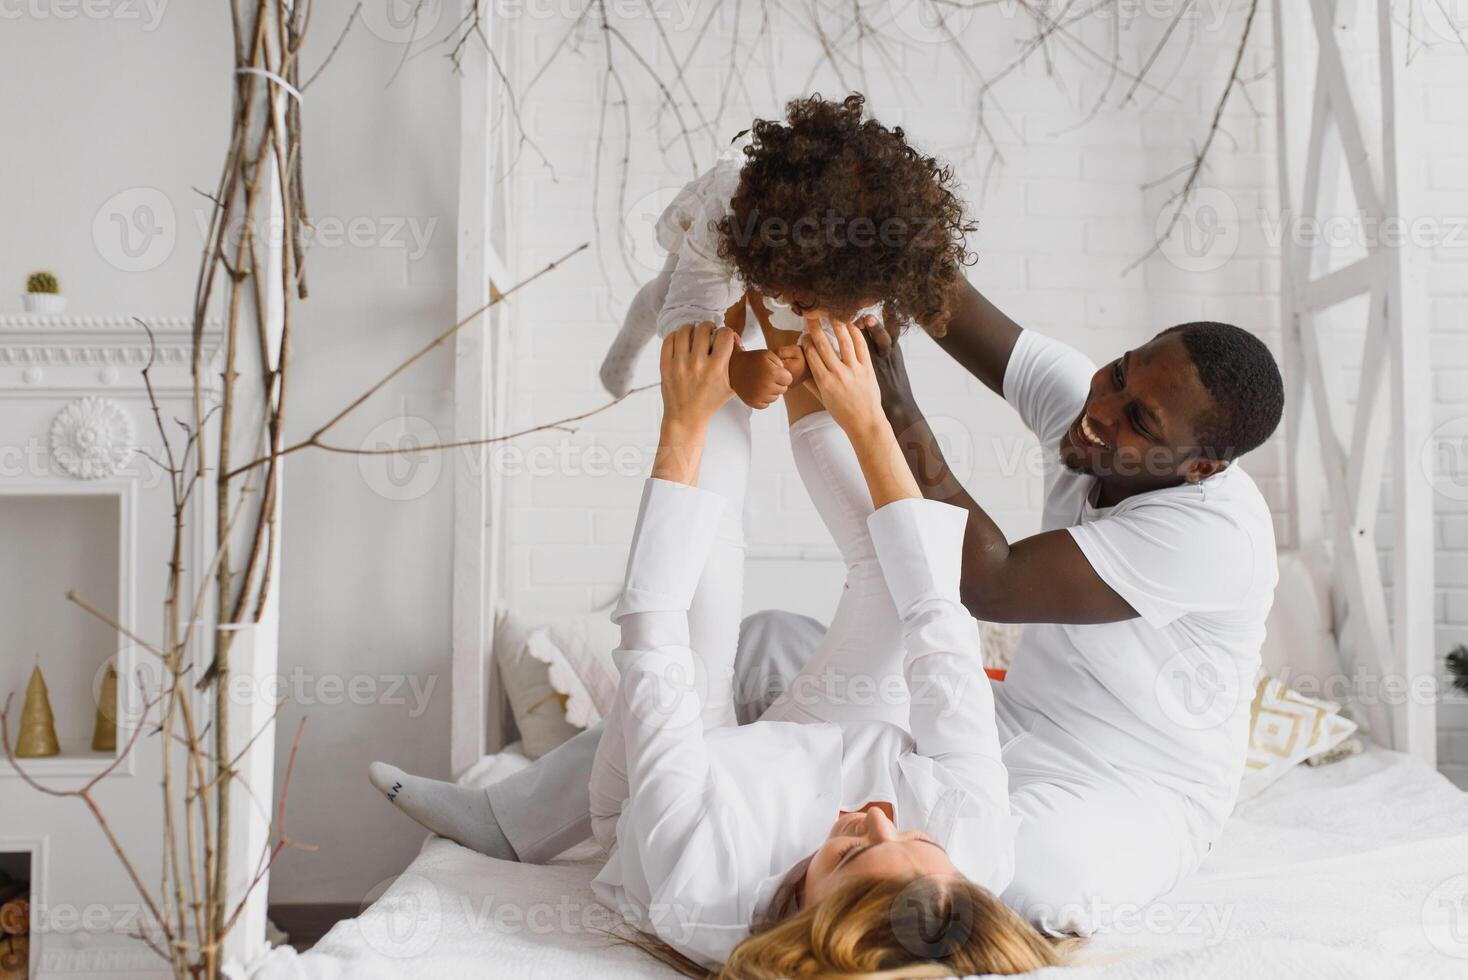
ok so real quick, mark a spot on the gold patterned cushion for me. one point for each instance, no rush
(1286, 728)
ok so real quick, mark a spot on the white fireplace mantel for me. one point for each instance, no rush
(45, 353)
(76, 423)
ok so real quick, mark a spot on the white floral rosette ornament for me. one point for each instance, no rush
(92, 438)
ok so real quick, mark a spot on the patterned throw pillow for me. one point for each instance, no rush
(1285, 728)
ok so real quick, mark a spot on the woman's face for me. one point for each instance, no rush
(866, 844)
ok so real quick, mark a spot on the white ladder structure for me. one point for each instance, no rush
(1358, 111)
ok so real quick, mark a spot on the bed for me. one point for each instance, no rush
(1356, 869)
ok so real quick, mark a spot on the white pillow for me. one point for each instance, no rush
(1286, 728)
(534, 700)
(1299, 645)
(577, 653)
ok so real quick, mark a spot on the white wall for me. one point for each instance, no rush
(94, 108)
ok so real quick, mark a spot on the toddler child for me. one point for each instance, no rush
(826, 215)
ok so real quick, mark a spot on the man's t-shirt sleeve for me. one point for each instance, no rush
(1168, 556)
(1046, 382)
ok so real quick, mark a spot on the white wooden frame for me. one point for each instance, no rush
(1389, 633)
(478, 710)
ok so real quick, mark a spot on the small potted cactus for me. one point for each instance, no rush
(43, 294)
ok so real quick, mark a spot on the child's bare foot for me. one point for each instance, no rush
(758, 377)
(794, 360)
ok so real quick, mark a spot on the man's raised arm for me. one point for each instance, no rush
(1041, 579)
(980, 337)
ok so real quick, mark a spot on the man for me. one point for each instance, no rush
(1145, 592)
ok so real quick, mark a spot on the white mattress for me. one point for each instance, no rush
(1358, 869)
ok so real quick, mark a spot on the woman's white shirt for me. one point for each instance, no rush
(714, 820)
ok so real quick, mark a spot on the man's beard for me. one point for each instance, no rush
(1074, 467)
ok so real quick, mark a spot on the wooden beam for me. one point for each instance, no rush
(1368, 434)
(1370, 646)
(1343, 108)
(473, 616)
(1316, 161)
(1345, 283)
(1302, 482)
(1333, 456)
(1413, 621)
(1304, 420)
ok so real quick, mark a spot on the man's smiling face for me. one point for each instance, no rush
(1138, 430)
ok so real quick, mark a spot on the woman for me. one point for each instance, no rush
(844, 832)
(862, 825)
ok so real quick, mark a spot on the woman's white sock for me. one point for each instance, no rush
(639, 327)
(460, 813)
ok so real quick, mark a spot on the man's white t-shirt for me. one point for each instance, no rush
(1166, 695)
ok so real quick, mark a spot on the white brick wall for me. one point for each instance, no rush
(1060, 219)
(1440, 164)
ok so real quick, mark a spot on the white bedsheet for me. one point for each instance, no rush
(1358, 869)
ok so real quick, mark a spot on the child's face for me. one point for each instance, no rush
(802, 302)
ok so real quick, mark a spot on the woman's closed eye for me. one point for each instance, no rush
(850, 850)
(858, 845)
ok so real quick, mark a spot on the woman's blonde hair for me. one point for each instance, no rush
(884, 928)
(894, 927)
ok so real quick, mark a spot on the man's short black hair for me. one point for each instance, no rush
(1243, 378)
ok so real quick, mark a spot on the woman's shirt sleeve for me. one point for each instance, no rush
(660, 709)
(951, 713)
(666, 819)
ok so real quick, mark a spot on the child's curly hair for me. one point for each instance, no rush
(845, 209)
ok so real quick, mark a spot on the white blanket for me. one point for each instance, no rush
(1358, 869)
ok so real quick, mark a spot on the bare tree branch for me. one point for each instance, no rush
(1179, 200)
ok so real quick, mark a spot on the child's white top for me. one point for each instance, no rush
(715, 820)
(702, 286)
